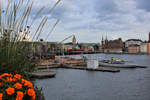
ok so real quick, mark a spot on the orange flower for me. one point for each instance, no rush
(23, 80)
(19, 95)
(1, 96)
(9, 79)
(17, 76)
(28, 84)
(13, 79)
(4, 63)
(10, 91)
(18, 86)
(5, 74)
(31, 92)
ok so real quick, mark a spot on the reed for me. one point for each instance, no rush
(14, 19)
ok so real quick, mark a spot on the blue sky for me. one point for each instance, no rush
(89, 20)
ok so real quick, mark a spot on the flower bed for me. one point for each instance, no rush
(15, 87)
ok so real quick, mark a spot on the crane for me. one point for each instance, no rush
(65, 40)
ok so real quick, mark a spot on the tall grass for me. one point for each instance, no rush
(14, 18)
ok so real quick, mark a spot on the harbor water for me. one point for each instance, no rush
(128, 84)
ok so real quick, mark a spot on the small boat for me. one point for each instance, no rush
(117, 64)
(113, 61)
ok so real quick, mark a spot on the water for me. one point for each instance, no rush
(129, 84)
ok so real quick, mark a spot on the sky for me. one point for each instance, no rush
(89, 20)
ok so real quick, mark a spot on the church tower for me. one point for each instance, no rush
(106, 41)
(102, 44)
(74, 42)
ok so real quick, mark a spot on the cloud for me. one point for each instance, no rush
(143, 4)
(91, 19)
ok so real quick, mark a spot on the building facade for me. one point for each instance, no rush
(134, 49)
(143, 48)
(148, 48)
(113, 46)
(132, 42)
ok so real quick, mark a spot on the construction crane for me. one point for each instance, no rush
(65, 40)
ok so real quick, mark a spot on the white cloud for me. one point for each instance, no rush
(91, 19)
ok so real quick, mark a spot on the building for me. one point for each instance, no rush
(68, 45)
(113, 46)
(43, 47)
(148, 48)
(134, 48)
(143, 48)
(132, 42)
(89, 46)
(149, 38)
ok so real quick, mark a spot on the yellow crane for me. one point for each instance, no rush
(65, 40)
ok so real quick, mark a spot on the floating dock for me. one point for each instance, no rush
(43, 74)
(48, 66)
(120, 65)
(69, 66)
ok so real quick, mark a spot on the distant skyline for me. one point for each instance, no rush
(89, 20)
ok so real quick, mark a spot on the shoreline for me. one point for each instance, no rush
(78, 53)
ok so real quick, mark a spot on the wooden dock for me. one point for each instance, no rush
(69, 66)
(43, 74)
(48, 66)
(102, 69)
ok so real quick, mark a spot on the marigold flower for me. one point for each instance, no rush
(10, 91)
(28, 84)
(13, 79)
(9, 79)
(18, 86)
(17, 76)
(5, 74)
(4, 63)
(31, 92)
(1, 96)
(19, 95)
(23, 80)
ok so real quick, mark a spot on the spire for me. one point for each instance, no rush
(74, 40)
(106, 37)
(106, 41)
(102, 42)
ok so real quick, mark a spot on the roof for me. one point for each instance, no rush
(134, 40)
(134, 45)
(69, 43)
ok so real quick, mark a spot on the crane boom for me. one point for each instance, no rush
(66, 38)
(63, 42)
